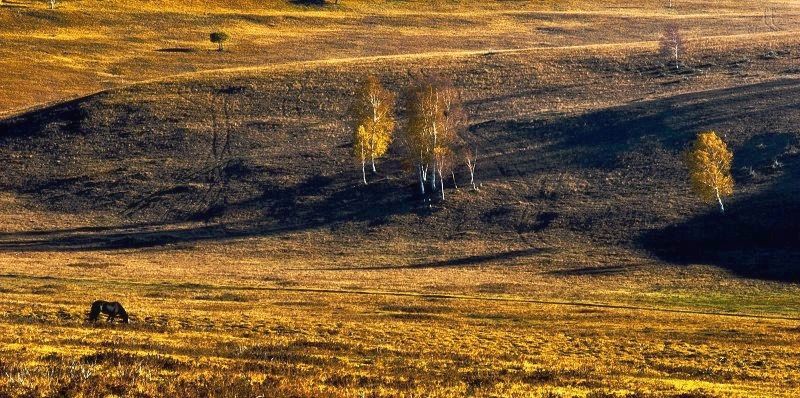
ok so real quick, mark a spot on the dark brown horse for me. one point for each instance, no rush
(111, 308)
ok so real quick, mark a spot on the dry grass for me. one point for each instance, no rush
(345, 309)
(277, 317)
(86, 46)
(294, 343)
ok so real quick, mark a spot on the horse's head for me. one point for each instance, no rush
(120, 311)
(94, 312)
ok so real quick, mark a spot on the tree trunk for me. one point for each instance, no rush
(441, 182)
(676, 58)
(433, 152)
(374, 171)
(719, 200)
(421, 180)
(455, 184)
(363, 171)
(472, 179)
(433, 178)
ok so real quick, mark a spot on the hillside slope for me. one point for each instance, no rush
(575, 159)
(84, 46)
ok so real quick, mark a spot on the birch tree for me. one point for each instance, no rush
(471, 161)
(672, 44)
(360, 144)
(421, 120)
(435, 118)
(373, 122)
(709, 163)
(443, 162)
(452, 120)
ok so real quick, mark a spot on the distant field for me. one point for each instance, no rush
(584, 267)
(85, 46)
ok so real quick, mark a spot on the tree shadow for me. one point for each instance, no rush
(284, 209)
(603, 270)
(38, 122)
(757, 237)
(308, 3)
(172, 199)
(467, 261)
(617, 137)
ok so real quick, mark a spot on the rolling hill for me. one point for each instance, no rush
(588, 158)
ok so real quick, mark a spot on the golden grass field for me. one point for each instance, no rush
(195, 339)
(86, 46)
(376, 311)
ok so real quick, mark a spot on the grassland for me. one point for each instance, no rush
(196, 339)
(86, 46)
(560, 278)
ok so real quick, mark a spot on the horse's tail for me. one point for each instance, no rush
(97, 306)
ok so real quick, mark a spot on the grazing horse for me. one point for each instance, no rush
(112, 308)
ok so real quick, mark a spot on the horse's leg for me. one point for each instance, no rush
(111, 317)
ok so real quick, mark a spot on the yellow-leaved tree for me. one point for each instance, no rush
(373, 123)
(709, 163)
(435, 117)
(360, 149)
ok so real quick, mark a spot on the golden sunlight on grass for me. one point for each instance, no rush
(575, 268)
(83, 47)
(273, 342)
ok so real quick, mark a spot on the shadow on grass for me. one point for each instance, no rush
(603, 270)
(475, 260)
(308, 3)
(285, 210)
(758, 236)
(176, 50)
